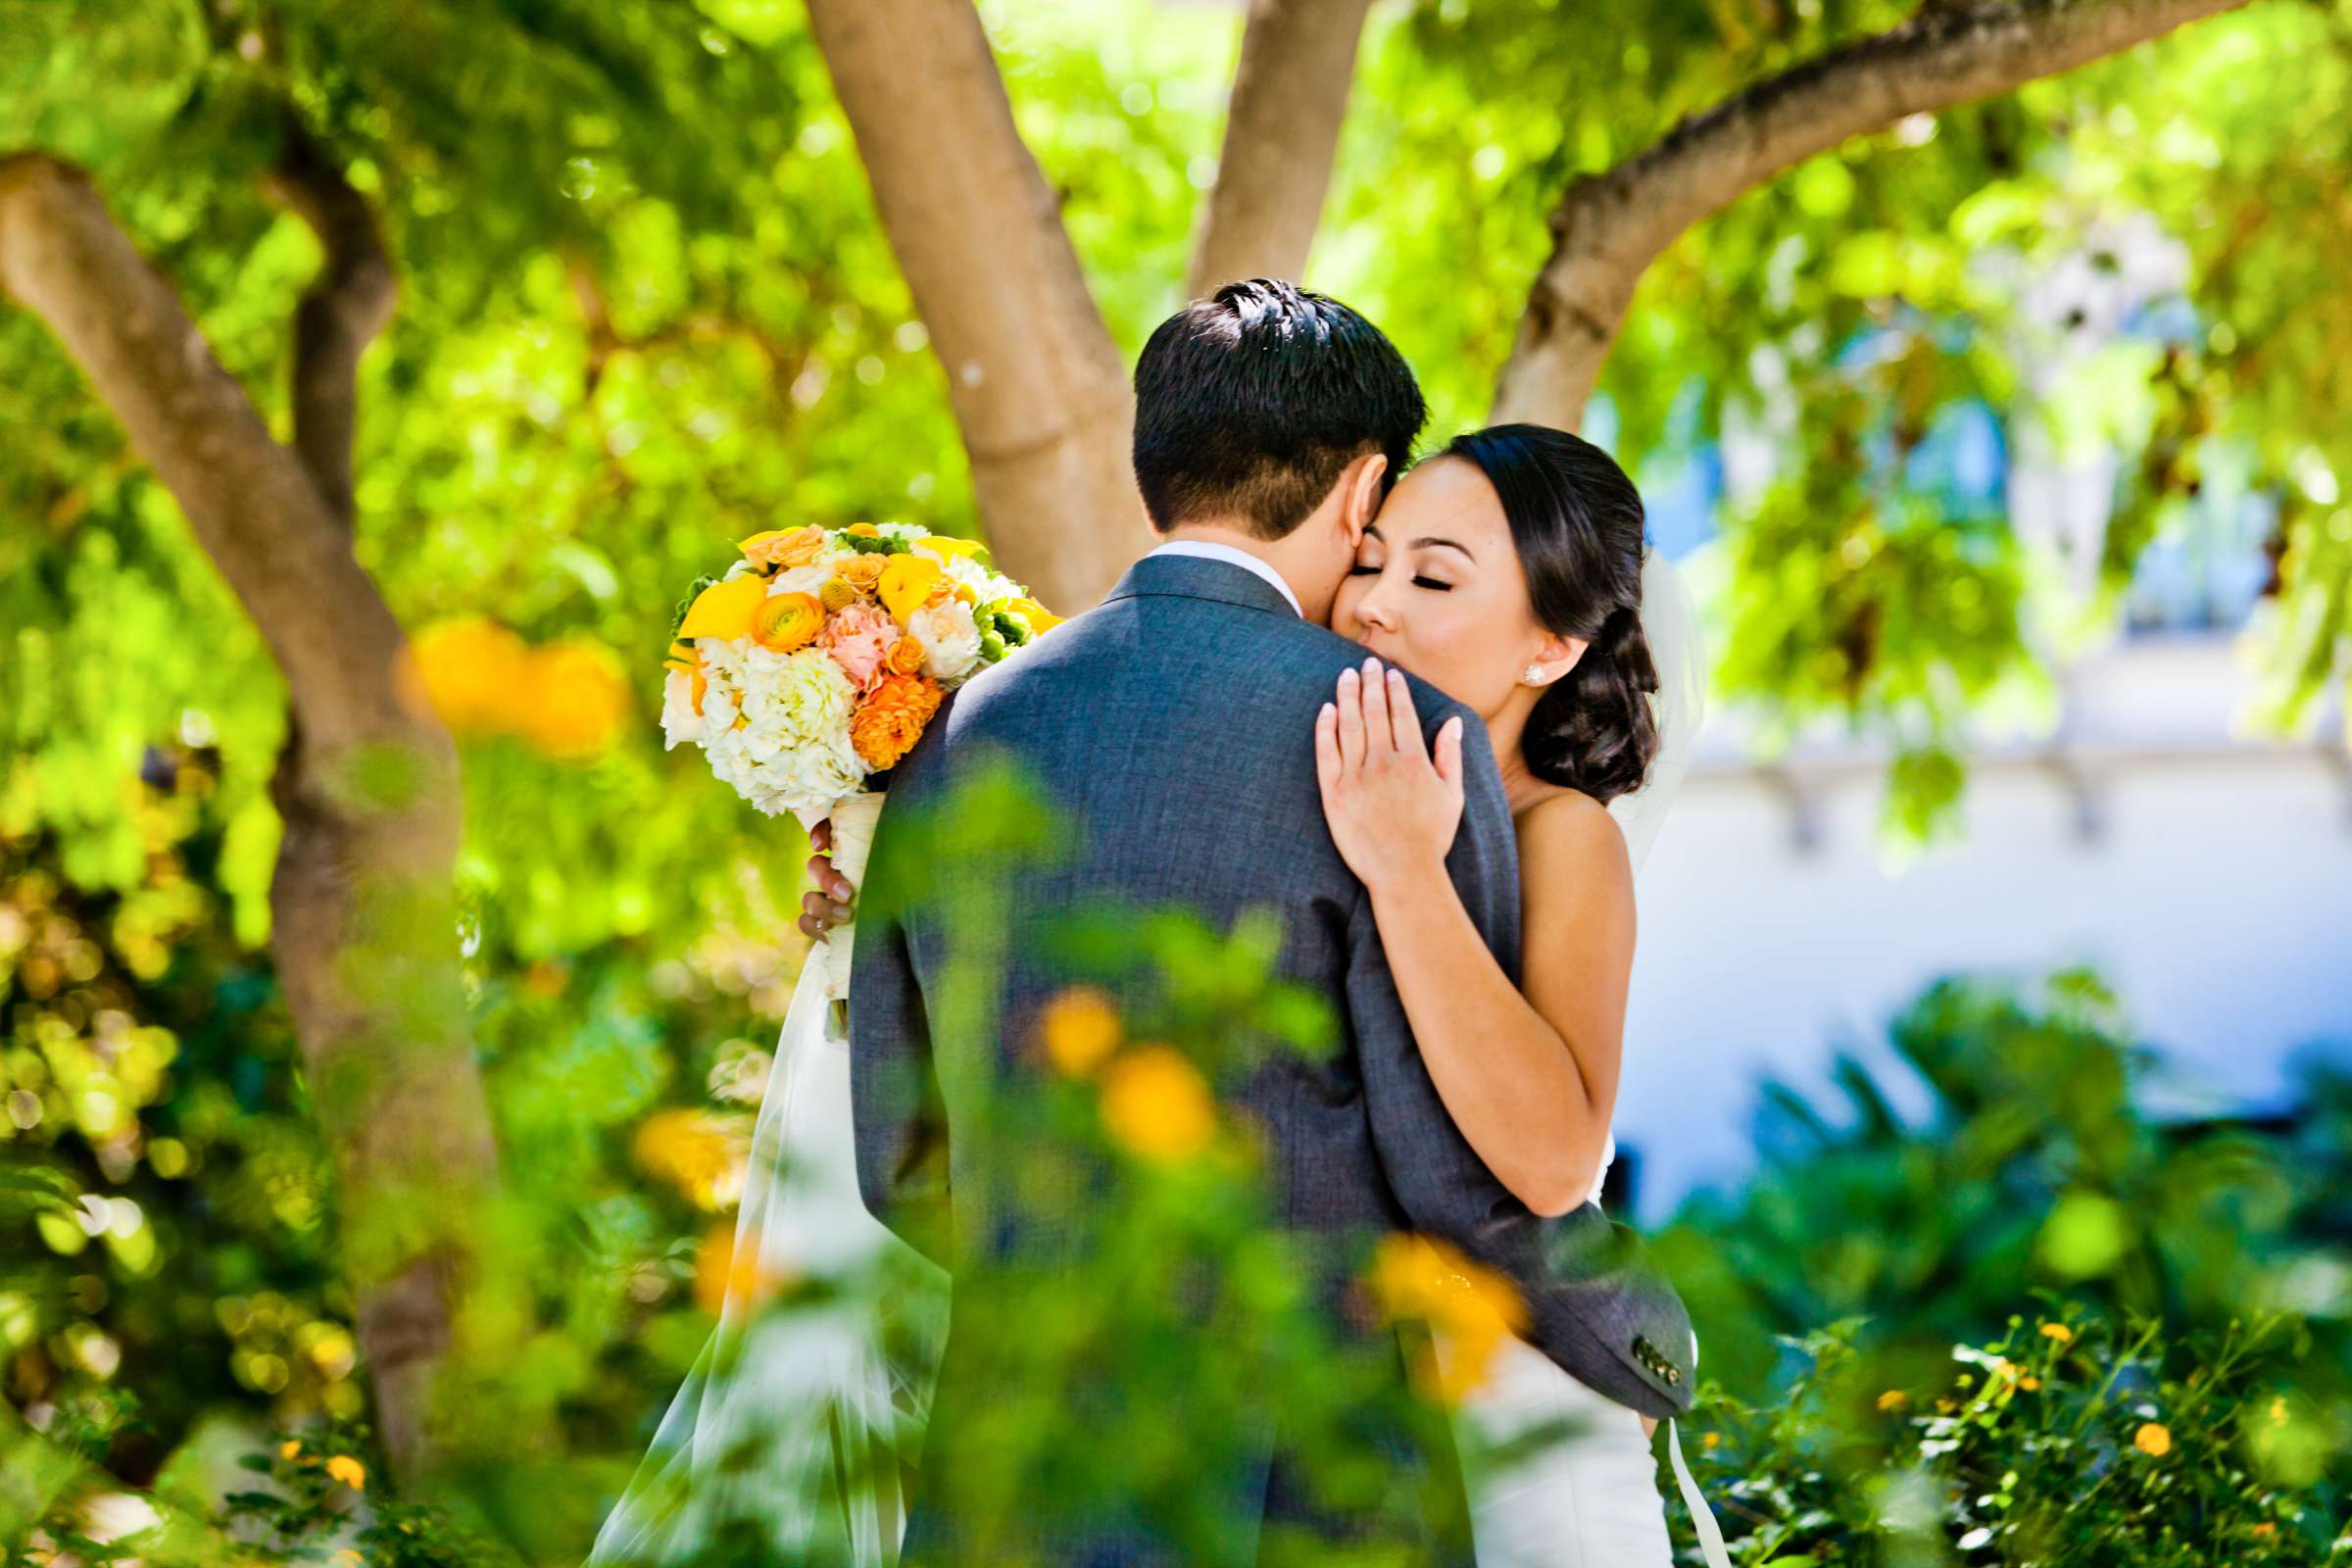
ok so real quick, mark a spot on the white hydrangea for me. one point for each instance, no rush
(966, 573)
(793, 749)
(951, 640)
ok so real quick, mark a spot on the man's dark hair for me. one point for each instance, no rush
(1250, 403)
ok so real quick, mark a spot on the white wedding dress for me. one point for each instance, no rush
(792, 1436)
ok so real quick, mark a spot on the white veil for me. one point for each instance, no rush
(1670, 622)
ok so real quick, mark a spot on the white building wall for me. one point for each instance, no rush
(2208, 878)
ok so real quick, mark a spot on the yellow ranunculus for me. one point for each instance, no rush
(1079, 1029)
(1156, 1104)
(907, 582)
(725, 609)
(786, 622)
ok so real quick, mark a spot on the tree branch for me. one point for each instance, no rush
(344, 310)
(362, 904)
(1609, 227)
(250, 502)
(1282, 131)
(1038, 387)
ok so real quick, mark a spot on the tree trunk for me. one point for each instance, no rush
(1038, 387)
(362, 904)
(1282, 132)
(1609, 227)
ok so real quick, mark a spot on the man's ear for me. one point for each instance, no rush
(1360, 495)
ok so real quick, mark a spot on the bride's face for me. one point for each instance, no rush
(1437, 589)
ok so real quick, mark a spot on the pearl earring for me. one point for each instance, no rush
(1534, 676)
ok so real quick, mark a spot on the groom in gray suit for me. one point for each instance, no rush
(1173, 724)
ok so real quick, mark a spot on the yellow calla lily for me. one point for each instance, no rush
(907, 582)
(948, 549)
(724, 609)
(1039, 618)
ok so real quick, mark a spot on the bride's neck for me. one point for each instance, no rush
(1504, 732)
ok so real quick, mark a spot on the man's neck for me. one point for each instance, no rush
(1234, 536)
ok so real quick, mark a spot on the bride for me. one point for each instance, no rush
(1509, 570)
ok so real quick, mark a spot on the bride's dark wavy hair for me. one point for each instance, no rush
(1577, 521)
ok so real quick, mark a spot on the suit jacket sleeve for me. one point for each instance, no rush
(1595, 1306)
(897, 1118)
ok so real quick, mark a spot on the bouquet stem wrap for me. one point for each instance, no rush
(854, 820)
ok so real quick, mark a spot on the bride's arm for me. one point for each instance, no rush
(1530, 1079)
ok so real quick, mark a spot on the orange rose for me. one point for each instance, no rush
(784, 622)
(789, 546)
(863, 573)
(906, 656)
(891, 720)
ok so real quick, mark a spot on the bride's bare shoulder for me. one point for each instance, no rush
(1566, 832)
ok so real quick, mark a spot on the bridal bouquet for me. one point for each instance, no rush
(817, 661)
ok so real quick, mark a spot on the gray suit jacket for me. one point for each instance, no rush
(1174, 723)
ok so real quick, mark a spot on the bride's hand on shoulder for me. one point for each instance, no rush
(829, 905)
(1393, 807)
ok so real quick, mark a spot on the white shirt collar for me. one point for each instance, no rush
(1206, 550)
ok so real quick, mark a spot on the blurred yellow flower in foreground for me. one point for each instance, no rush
(2153, 1440)
(1079, 1029)
(692, 1151)
(574, 699)
(291, 1448)
(344, 1468)
(1158, 1104)
(1895, 1400)
(471, 668)
(722, 1274)
(2059, 1332)
(1472, 1305)
(569, 697)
